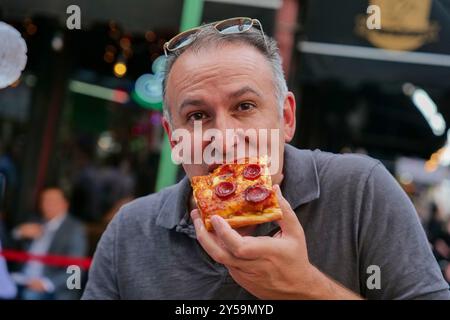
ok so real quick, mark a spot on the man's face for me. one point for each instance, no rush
(53, 204)
(229, 87)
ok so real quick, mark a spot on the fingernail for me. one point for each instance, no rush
(196, 219)
(194, 214)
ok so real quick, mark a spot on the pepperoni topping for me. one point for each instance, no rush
(225, 189)
(225, 170)
(252, 171)
(256, 194)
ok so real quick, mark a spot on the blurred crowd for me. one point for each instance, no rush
(67, 224)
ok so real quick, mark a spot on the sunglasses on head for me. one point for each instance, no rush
(228, 26)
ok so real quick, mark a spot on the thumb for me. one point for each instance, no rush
(289, 223)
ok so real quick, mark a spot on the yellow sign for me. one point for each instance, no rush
(405, 25)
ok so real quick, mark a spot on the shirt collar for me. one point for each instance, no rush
(56, 222)
(300, 185)
(301, 180)
(175, 204)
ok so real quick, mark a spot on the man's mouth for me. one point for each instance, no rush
(214, 166)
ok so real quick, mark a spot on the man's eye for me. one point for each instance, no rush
(246, 106)
(196, 116)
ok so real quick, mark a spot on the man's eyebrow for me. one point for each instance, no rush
(202, 103)
(243, 91)
(192, 102)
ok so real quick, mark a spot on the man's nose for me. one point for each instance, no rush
(226, 126)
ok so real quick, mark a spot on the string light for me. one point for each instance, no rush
(427, 108)
(127, 53)
(111, 48)
(125, 43)
(150, 36)
(114, 31)
(30, 27)
(120, 69)
(57, 42)
(108, 57)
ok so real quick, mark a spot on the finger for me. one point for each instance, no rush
(278, 234)
(289, 224)
(230, 237)
(250, 248)
(211, 245)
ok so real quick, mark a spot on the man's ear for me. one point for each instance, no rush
(289, 119)
(168, 130)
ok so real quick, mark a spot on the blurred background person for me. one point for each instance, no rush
(85, 201)
(58, 234)
(10, 179)
(115, 183)
(8, 289)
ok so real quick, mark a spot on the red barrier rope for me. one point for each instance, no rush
(51, 260)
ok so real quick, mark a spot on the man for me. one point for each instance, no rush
(59, 235)
(343, 215)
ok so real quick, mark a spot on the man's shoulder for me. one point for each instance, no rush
(338, 166)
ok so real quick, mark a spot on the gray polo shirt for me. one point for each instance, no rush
(354, 214)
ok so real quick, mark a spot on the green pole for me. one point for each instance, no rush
(191, 16)
(167, 171)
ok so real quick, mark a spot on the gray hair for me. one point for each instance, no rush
(208, 36)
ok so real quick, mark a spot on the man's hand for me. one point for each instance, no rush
(269, 267)
(36, 285)
(29, 231)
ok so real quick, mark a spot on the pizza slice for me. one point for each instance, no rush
(241, 193)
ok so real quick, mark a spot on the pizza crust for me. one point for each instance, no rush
(269, 214)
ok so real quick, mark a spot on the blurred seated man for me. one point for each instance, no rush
(59, 234)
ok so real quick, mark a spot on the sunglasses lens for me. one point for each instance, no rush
(182, 40)
(234, 25)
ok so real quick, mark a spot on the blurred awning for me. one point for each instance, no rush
(133, 15)
(138, 15)
(413, 44)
